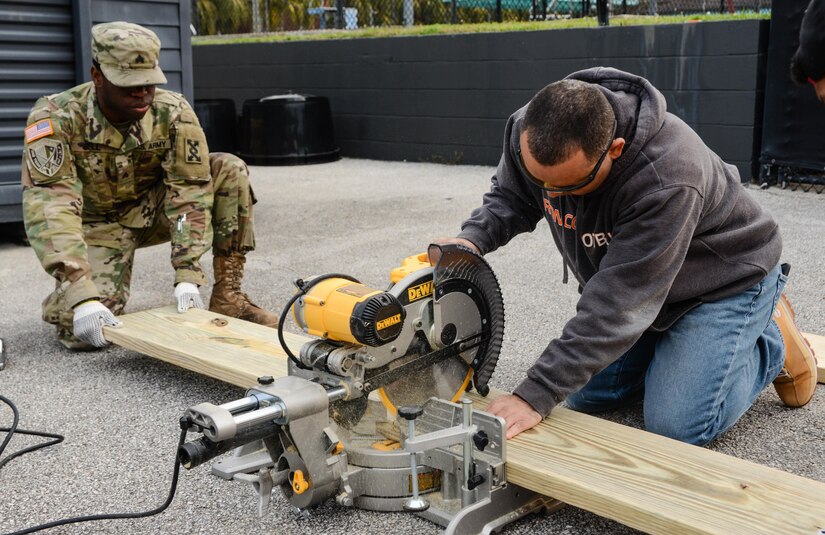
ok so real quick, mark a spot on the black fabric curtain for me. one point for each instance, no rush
(793, 134)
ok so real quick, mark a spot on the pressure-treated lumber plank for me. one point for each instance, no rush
(645, 481)
(656, 484)
(818, 344)
(229, 349)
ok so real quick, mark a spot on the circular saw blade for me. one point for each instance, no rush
(447, 379)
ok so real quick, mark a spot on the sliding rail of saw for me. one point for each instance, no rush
(642, 480)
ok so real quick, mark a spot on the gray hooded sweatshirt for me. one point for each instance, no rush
(671, 227)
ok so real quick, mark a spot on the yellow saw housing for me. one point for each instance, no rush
(339, 309)
(346, 311)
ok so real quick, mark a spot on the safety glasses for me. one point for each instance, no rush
(565, 189)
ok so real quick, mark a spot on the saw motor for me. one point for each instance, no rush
(344, 310)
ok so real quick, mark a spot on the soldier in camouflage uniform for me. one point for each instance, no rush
(114, 164)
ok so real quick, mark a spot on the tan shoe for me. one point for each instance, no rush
(227, 297)
(796, 383)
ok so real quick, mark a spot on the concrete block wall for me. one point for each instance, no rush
(446, 98)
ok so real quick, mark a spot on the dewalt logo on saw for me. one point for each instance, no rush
(420, 292)
(389, 322)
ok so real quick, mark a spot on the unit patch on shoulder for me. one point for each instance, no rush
(46, 156)
(39, 129)
(193, 151)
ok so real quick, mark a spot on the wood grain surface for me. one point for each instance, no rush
(228, 349)
(643, 480)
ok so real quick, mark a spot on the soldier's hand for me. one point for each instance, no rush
(187, 296)
(435, 253)
(89, 319)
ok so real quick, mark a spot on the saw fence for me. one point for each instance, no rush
(643, 480)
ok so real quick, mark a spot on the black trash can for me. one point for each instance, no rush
(289, 129)
(219, 121)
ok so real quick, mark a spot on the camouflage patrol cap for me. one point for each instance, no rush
(127, 54)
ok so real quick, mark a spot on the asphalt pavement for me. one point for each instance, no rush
(119, 410)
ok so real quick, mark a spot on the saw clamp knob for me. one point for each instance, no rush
(410, 413)
(481, 440)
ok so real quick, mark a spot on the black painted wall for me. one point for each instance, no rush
(446, 98)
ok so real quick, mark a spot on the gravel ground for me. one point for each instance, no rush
(119, 410)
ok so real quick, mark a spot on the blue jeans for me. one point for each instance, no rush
(701, 375)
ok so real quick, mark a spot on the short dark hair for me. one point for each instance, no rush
(566, 116)
(96, 65)
(809, 59)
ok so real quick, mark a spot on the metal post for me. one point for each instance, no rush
(543, 9)
(409, 13)
(453, 18)
(196, 22)
(651, 7)
(413, 462)
(467, 417)
(498, 10)
(339, 14)
(601, 13)
(256, 17)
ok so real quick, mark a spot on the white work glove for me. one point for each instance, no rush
(89, 319)
(187, 296)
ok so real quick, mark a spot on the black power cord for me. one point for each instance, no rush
(184, 424)
(13, 429)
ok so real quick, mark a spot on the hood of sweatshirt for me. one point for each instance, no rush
(640, 109)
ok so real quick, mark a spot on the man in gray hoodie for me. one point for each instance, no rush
(678, 267)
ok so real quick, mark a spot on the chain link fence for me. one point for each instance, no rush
(222, 17)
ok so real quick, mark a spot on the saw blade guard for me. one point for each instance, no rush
(460, 269)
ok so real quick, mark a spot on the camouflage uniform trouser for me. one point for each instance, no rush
(111, 246)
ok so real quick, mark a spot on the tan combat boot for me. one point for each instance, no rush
(796, 383)
(227, 297)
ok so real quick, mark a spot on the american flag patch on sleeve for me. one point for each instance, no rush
(39, 129)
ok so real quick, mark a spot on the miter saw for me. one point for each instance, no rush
(371, 413)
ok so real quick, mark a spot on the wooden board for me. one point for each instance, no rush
(228, 349)
(642, 480)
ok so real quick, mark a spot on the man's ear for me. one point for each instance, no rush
(97, 76)
(819, 86)
(616, 148)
